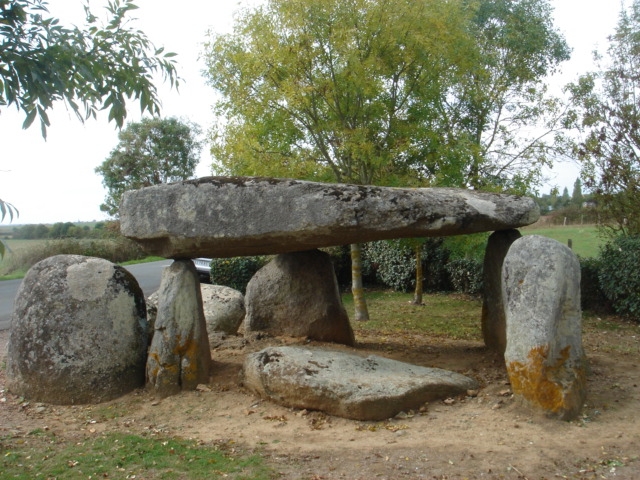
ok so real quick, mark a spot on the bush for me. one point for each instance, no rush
(620, 275)
(394, 264)
(116, 250)
(466, 275)
(591, 295)
(235, 272)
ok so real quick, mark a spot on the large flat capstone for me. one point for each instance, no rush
(236, 216)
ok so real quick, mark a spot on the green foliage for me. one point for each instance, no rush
(235, 272)
(120, 455)
(465, 275)
(592, 297)
(23, 257)
(394, 264)
(61, 230)
(98, 68)
(390, 92)
(442, 315)
(149, 152)
(620, 275)
(334, 90)
(586, 239)
(610, 119)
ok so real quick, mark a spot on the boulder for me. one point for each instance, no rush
(179, 356)
(544, 356)
(78, 332)
(223, 308)
(493, 321)
(297, 294)
(240, 216)
(345, 384)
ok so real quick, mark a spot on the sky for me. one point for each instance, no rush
(55, 181)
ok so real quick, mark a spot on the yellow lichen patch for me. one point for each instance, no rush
(190, 365)
(554, 386)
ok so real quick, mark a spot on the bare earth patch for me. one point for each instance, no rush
(471, 437)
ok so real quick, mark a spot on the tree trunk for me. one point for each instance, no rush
(359, 302)
(417, 295)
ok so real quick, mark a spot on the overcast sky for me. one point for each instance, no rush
(54, 180)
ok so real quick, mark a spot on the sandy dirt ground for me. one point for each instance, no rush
(488, 436)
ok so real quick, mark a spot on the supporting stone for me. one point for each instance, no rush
(297, 294)
(493, 320)
(544, 356)
(179, 357)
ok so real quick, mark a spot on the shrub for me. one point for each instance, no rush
(394, 264)
(466, 275)
(235, 272)
(116, 250)
(620, 275)
(591, 295)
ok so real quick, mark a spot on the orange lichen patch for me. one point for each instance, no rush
(552, 385)
(191, 368)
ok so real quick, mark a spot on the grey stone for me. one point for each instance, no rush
(493, 321)
(345, 384)
(179, 356)
(297, 294)
(233, 216)
(544, 355)
(223, 308)
(78, 332)
(152, 313)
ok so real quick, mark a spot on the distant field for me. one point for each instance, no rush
(585, 238)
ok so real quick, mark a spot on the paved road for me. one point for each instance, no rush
(147, 274)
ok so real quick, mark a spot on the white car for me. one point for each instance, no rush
(203, 266)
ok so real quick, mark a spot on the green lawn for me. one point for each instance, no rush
(585, 238)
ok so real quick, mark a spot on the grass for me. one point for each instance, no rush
(452, 316)
(585, 238)
(123, 456)
(116, 455)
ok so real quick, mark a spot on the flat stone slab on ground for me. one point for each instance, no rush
(239, 216)
(347, 385)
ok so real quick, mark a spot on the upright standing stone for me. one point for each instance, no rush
(179, 357)
(493, 321)
(78, 333)
(297, 294)
(544, 356)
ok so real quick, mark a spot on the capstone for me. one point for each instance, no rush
(241, 216)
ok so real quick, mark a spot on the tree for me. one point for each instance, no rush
(498, 126)
(149, 152)
(576, 197)
(98, 68)
(332, 89)
(329, 89)
(382, 91)
(610, 121)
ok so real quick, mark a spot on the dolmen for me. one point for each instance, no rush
(221, 217)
